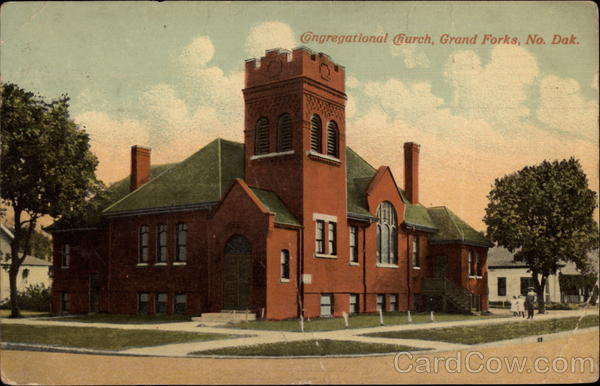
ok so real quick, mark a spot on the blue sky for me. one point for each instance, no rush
(169, 75)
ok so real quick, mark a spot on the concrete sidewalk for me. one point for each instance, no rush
(267, 336)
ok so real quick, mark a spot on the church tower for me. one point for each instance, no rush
(295, 131)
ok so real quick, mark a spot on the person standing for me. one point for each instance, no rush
(530, 302)
(520, 306)
(514, 303)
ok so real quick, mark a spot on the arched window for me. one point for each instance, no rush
(387, 245)
(261, 140)
(332, 139)
(316, 129)
(284, 133)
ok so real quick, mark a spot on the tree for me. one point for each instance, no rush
(47, 168)
(545, 214)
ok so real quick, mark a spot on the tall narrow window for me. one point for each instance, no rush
(316, 130)
(416, 252)
(332, 238)
(143, 303)
(326, 304)
(284, 133)
(387, 245)
(320, 236)
(354, 304)
(161, 243)
(394, 302)
(332, 139)
(181, 250)
(479, 263)
(161, 303)
(66, 255)
(353, 244)
(143, 244)
(180, 305)
(501, 286)
(285, 264)
(261, 140)
(64, 302)
(471, 261)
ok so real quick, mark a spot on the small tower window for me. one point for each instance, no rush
(332, 139)
(261, 143)
(284, 133)
(315, 134)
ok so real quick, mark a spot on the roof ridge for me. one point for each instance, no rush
(450, 215)
(364, 160)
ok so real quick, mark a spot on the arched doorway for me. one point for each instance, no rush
(237, 273)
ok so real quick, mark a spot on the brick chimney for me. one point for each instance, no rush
(140, 167)
(411, 171)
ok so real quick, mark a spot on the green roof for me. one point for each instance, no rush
(451, 229)
(202, 177)
(358, 176)
(416, 215)
(274, 205)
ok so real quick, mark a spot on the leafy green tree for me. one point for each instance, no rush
(545, 214)
(47, 168)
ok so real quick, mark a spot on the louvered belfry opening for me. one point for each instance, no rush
(261, 143)
(284, 133)
(315, 134)
(332, 139)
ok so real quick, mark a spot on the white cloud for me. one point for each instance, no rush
(496, 91)
(268, 35)
(411, 57)
(563, 107)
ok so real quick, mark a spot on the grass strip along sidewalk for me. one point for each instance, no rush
(98, 338)
(492, 333)
(354, 321)
(318, 347)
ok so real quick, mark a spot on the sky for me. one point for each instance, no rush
(169, 76)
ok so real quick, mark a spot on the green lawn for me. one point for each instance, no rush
(318, 347)
(492, 333)
(24, 313)
(125, 319)
(355, 321)
(98, 338)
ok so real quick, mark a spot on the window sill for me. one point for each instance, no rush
(284, 280)
(179, 263)
(419, 268)
(325, 256)
(270, 155)
(160, 264)
(475, 277)
(323, 158)
(383, 265)
(354, 264)
(142, 265)
(64, 267)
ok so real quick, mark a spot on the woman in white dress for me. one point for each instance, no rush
(514, 306)
(520, 306)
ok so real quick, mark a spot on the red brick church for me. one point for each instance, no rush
(291, 221)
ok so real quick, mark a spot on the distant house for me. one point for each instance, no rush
(508, 278)
(33, 270)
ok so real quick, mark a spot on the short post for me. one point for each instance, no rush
(409, 317)
(246, 316)
(301, 323)
(381, 316)
(345, 315)
(262, 313)
(431, 316)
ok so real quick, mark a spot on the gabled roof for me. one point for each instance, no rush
(417, 216)
(274, 205)
(453, 230)
(358, 176)
(201, 178)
